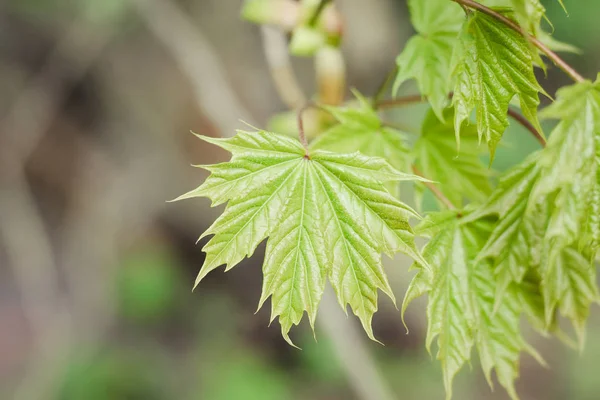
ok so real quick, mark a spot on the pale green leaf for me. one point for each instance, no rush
(499, 341)
(427, 55)
(568, 284)
(450, 313)
(569, 182)
(436, 251)
(548, 212)
(514, 244)
(359, 129)
(462, 309)
(459, 173)
(327, 216)
(557, 45)
(492, 64)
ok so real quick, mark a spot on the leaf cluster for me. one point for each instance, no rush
(499, 250)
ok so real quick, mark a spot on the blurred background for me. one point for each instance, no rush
(97, 99)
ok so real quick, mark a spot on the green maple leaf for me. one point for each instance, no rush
(570, 184)
(461, 174)
(462, 309)
(571, 181)
(548, 211)
(499, 341)
(359, 129)
(492, 64)
(427, 55)
(514, 244)
(569, 284)
(557, 45)
(327, 216)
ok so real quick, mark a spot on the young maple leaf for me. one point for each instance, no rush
(569, 181)
(327, 216)
(492, 64)
(462, 309)
(427, 55)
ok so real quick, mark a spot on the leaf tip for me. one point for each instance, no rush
(285, 330)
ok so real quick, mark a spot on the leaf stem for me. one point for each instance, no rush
(435, 190)
(383, 86)
(559, 62)
(415, 99)
(401, 101)
(301, 134)
(527, 125)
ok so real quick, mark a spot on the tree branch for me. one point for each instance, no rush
(383, 86)
(559, 62)
(435, 190)
(401, 101)
(301, 134)
(415, 99)
(527, 125)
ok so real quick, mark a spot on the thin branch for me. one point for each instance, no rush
(415, 99)
(400, 101)
(399, 127)
(383, 86)
(559, 62)
(301, 134)
(435, 190)
(527, 125)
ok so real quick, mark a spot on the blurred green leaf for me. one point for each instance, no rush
(147, 284)
(320, 359)
(244, 376)
(114, 375)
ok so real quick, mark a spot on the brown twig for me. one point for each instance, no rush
(414, 99)
(400, 101)
(527, 125)
(301, 134)
(435, 190)
(559, 62)
(383, 86)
